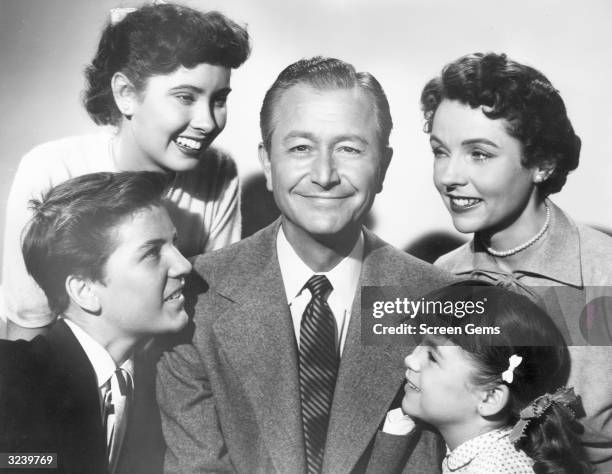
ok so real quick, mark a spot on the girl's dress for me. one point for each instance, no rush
(568, 272)
(489, 453)
(203, 205)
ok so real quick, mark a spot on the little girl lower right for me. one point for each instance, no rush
(496, 396)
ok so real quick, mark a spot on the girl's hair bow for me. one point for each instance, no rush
(513, 362)
(564, 397)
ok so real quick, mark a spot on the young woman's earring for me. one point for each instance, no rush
(123, 106)
(542, 175)
(125, 110)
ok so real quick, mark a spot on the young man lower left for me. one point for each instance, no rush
(101, 246)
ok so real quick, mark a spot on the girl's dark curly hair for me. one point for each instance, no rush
(158, 39)
(524, 97)
(525, 330)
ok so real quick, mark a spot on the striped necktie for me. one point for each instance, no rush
(318, 366)
(117, 398)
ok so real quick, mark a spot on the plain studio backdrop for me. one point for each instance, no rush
(45, 45)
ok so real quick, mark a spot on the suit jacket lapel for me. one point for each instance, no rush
(368, 380)
(256, 333)
(78, 399)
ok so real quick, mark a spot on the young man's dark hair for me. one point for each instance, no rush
(101, 246)
(71, 231)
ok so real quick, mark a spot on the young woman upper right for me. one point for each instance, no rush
(502, 143)
(159, 80)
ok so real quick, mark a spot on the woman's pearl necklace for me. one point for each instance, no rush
(523, 246)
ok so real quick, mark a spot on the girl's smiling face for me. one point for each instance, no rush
(175, 118)
(439, 387)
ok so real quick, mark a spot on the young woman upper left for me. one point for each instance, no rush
(160, 79)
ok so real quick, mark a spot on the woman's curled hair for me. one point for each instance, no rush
(524, 97)
(158, 39)
(553, 442)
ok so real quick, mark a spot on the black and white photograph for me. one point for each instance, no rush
(321, 236)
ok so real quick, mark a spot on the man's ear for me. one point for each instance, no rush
(82, 293)
(264, 159)
(493, 400)
(124, 93)
(385, 160)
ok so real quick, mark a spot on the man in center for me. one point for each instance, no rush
(276, 378)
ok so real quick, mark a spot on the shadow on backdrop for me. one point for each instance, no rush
(258, 206)
(432, 245)
(605, 230)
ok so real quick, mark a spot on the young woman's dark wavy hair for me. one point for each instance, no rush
(158, 39)
(552, 440)
(521, 95)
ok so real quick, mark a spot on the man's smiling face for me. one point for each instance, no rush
(325, 164)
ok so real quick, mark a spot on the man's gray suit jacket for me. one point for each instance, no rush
(230, 399)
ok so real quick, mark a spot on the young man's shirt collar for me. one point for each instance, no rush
(101, 361)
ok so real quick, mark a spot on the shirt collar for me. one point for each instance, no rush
(466, 452)
(103, 364)
(344, 277)
(558, 257)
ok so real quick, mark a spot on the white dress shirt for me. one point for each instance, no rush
(344, 278)
(104, 366)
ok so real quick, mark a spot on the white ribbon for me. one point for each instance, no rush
(513, 362)
(118, 14)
